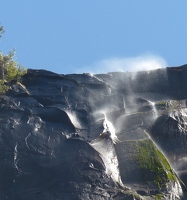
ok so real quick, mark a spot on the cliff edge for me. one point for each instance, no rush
(103, 136)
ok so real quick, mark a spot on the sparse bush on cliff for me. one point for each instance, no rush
(9, 68)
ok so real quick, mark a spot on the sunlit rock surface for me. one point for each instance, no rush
(98, 137)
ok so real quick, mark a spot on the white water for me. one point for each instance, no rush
(124, 105)
(73, 118)
(154, 108)
(106, 149)
(105, 146)
(108, 127)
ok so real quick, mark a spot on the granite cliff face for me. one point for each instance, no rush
(105, 136)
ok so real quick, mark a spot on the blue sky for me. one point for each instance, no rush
(75, 36)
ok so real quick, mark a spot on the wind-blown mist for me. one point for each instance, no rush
(132, 64)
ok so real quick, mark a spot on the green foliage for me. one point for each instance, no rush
(137, 197)
(3, 88)
(9, 70)
(153, 164)
(162, 105)
(158, 196)
(169, 106)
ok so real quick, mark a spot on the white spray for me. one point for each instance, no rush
(108, 127)
(154, 108)
(106, 148)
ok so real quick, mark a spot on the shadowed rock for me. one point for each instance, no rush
(105, 136)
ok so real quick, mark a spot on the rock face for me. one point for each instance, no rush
(98, 137)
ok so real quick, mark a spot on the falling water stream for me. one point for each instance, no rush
(154, 108)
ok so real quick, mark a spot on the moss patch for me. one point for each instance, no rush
(162, 105)
(158, 196)
(169, 105)
(152, 163)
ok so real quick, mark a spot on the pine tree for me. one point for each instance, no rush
(9, 68)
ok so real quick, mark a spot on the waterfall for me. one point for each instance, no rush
(154, 108)
(108, 127)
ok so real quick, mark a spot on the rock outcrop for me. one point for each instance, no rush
(105, 136)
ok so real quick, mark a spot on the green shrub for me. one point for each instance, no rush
(158, 196)
(9, 70)
(3, 88)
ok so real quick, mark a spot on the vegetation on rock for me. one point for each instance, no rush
(153, 164)
(9, 68)
(168, 106)
(158, 196)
